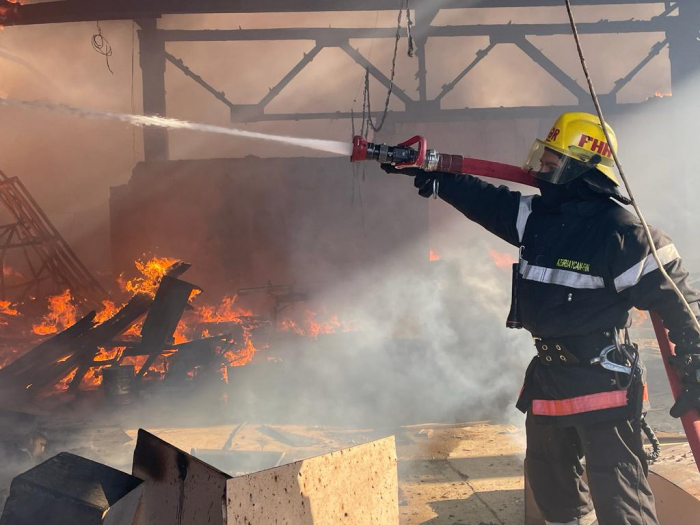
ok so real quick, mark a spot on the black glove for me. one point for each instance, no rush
(424, 181)
(688, 367)
(411, 172)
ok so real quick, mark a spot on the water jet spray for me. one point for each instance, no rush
(327, 146)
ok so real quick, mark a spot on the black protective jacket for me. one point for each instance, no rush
(584, 265)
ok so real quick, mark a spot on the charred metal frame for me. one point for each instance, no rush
(48, 257)
(681, 32)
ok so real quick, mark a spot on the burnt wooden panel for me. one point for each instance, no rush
(178, 488)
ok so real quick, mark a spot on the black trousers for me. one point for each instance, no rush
(616, 467)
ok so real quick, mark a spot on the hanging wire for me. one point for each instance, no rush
(409, 31)
(102, 46)
(634, 203)
(367, 102)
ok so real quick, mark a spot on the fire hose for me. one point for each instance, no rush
(414, 153)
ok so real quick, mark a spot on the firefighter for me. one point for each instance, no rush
(584, 264)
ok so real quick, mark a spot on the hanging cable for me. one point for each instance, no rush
(409, 30)
(634, 203)
(102, 46)
(367, 122)
(367, 102)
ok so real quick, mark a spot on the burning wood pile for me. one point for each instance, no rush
(158, 335)
(112, 346)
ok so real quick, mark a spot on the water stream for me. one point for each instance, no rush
(328, 146)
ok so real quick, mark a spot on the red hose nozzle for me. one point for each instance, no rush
(359, 149)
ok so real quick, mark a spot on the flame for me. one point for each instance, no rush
(434, 256)
(311, 327)
(7, 308)
(134, 330)
(241, 357)
(151, 274)
(502, 260)
(92, 378)
(108, 355)
(158, 369)
(64, 383)
(658, 94)
(62, 314)
(224, 373)
(223, 313)
(136, 360)
(181, 334)
(108, 311)
(227, 312)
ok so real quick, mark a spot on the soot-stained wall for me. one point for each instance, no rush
(246, 222)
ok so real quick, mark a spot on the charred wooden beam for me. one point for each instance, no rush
(72, 349)
(158, 328)
(47, 352)
(83, 358)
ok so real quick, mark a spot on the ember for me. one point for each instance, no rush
(434, 256)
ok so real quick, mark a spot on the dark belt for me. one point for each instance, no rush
(572, 351)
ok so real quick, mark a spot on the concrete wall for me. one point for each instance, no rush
(246, 222)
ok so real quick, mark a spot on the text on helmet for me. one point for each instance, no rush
(553, 134)
(598, 146)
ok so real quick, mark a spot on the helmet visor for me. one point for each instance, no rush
(548, 165)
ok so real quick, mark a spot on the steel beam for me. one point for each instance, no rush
(550, 67)
(502, 32)
(480, 55)
(305, 61)
(622, 82)
(425, 14)
(91, 10)
(426, 112)
(376, 73)
(219, 95)
(152, 60)
(684, 47)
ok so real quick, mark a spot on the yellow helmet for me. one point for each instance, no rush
(576, 136)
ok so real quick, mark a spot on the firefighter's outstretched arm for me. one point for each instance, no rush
(638, 279)
(495, 208)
